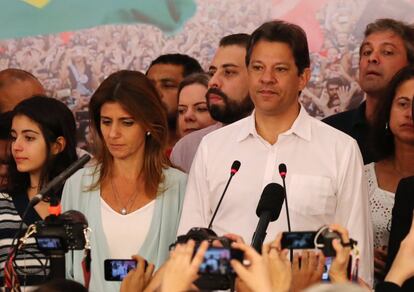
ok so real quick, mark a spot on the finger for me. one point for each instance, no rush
(304, 259)
(277, 241)
(249, 252)
(140, 266)
(149, 271)
(234, 237)
(199, 256)
(240, 270)
(313, 260)
(295, 262)
(341, 230)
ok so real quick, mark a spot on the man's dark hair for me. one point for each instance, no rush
(190, 65)
(402, 29)
(237, 39)
(280, 31)
(335, 81)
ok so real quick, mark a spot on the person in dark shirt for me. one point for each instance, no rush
(385, 49)
(402, 214)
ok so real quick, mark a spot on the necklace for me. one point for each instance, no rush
(124, 210)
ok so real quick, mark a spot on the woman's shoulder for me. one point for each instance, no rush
(173, 174)
(86, 173)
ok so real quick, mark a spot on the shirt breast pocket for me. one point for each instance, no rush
(311, 194)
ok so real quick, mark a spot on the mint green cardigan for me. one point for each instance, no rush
(161, 234)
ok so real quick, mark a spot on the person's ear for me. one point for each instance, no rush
(58, 146)
(304, 78)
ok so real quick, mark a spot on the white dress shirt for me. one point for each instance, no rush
(325, 182)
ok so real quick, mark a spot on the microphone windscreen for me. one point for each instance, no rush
(235, 166)
(271, 200)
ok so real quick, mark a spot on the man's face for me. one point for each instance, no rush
(166, 78)
(12, 94)
(333, 90)
(274, 80)
(227, 95)
(382, 54)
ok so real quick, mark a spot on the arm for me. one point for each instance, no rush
(196, 207)
(353, 206)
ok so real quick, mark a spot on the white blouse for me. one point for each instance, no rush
(381, 203)
(125, 234)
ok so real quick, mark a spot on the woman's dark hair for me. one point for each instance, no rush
(195, 78)
(382, 139)
(54, 120)
(138, 96)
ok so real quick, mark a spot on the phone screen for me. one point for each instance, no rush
(298, 240)
(325, 275)
(217, 261)
(116, 270)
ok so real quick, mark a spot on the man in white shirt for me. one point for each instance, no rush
(325, 180)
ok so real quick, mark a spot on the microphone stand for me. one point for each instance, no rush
(287, 211)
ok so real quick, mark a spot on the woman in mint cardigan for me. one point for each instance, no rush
(131, 196)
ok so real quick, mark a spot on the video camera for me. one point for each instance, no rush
(222, 277)
(56, 235)
(321, 239)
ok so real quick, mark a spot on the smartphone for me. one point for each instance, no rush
(217, 261)
(325, 275)
(117, 269)
(298, 240)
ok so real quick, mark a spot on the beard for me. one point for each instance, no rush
(231, 111)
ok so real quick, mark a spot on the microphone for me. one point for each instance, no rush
(283, 172)
(60, 179)
(268, 210)
(233, 170)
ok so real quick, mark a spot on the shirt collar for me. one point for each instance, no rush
(300, 127)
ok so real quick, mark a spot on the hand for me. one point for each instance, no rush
(403, 266)
(309, 271)
(338, 270)
(380, 257)
(256, 275)
(182, 268)
(138, 278)
(278, 265)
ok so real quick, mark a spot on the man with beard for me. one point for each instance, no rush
(227, 97)
(325, 176)
(166, 72)
(387, 47)
(15, 86)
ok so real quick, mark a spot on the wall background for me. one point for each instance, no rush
(72, 49)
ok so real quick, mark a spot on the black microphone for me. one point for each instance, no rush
(233, 170)
(268, 210)
(60, 179)
(283, 172)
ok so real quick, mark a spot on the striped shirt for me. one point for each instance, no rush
(28, 259)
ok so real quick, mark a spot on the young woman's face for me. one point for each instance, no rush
(401, 119)
(193, 113)
(123, 135)
(28, 146)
